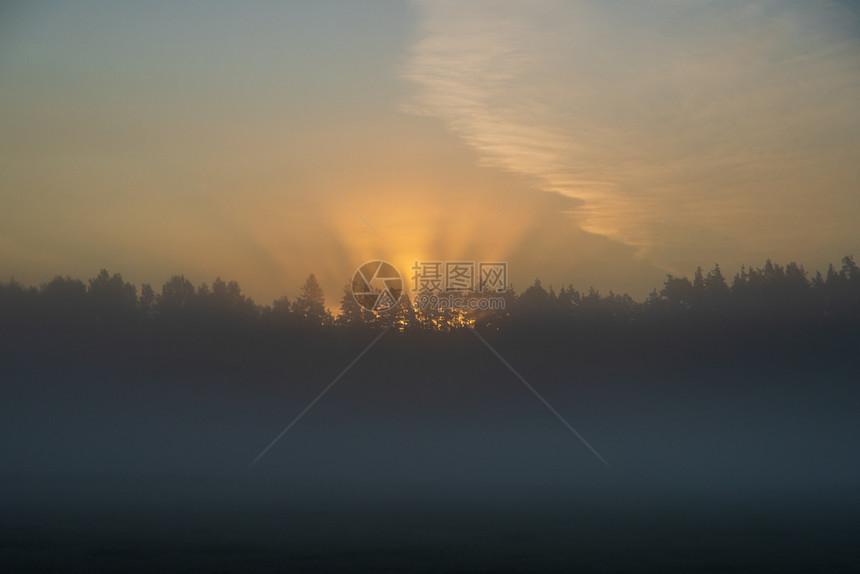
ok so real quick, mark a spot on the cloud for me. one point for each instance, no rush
(726, 129)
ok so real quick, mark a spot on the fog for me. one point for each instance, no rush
(429, 453)
(406, 418)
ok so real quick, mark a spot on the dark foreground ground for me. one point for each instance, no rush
(246, 524)
(423, 460)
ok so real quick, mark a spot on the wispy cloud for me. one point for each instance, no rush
(727, 126)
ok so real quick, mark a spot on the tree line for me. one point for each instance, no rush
(766, 316)
(773, 291)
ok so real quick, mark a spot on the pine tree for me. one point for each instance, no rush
(310, 304)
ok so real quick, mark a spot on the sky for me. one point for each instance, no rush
(601, 144)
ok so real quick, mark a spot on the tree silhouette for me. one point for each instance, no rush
(352, 314)
(715, 284)
(111, 297)
(148, 301)
(773, 306)
(310, 304)
(177, 299)
(226, 299)
(677, 294)
(64, 296)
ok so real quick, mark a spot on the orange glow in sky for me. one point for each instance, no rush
(638, 140)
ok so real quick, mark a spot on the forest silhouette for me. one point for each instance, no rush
(772, 311)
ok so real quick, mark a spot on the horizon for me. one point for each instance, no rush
(332, 300)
